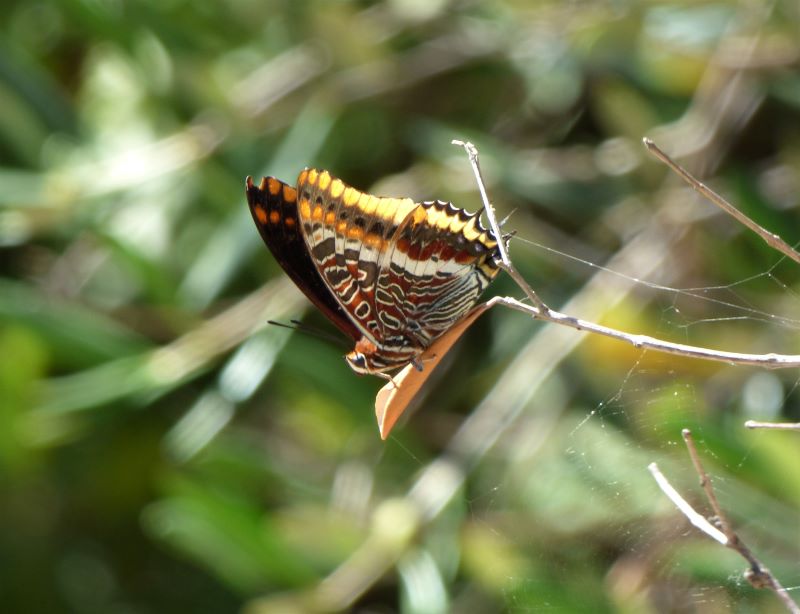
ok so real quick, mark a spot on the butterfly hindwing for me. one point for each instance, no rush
(440, 262)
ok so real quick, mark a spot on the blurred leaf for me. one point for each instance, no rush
(77, 337)
(232, 537)
(23, 359)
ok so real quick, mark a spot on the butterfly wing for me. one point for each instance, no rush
(394, 398)
(347, 233)
(439, 263)
(273, 205)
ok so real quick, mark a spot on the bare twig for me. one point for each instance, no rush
(686, 509)
(770, 238)
(506, 264)
(778, 426)
(705, 482)
(770, 361)
(757, 575)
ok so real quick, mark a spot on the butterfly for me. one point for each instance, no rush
(391, 273)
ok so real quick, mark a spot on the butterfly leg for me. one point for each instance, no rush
(387, 377)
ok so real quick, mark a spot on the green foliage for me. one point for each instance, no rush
(163, 449)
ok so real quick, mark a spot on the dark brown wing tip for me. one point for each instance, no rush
(255, 193)
(262, 186)
(252, 192)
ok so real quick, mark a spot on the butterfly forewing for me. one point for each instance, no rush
(273, 205)
(347, 232)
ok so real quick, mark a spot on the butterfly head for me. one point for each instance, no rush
(369, 359)
(358, 362)
(365, 358)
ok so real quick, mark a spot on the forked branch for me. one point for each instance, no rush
(757, 574)
(505, 261)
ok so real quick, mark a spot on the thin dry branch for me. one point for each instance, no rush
(705, 482)
(505, 264)
(541, 311)
(757, 575)
(770, 238)
(777, 426)
(685, 508)
(769, 361)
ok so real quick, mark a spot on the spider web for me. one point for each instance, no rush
(572, 478)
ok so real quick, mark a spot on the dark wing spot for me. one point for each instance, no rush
(362, 311)
(323, 250)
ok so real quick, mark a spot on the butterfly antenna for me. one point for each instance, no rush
(299, 326)
(506, 218)
(502, 222)
(281, 324)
